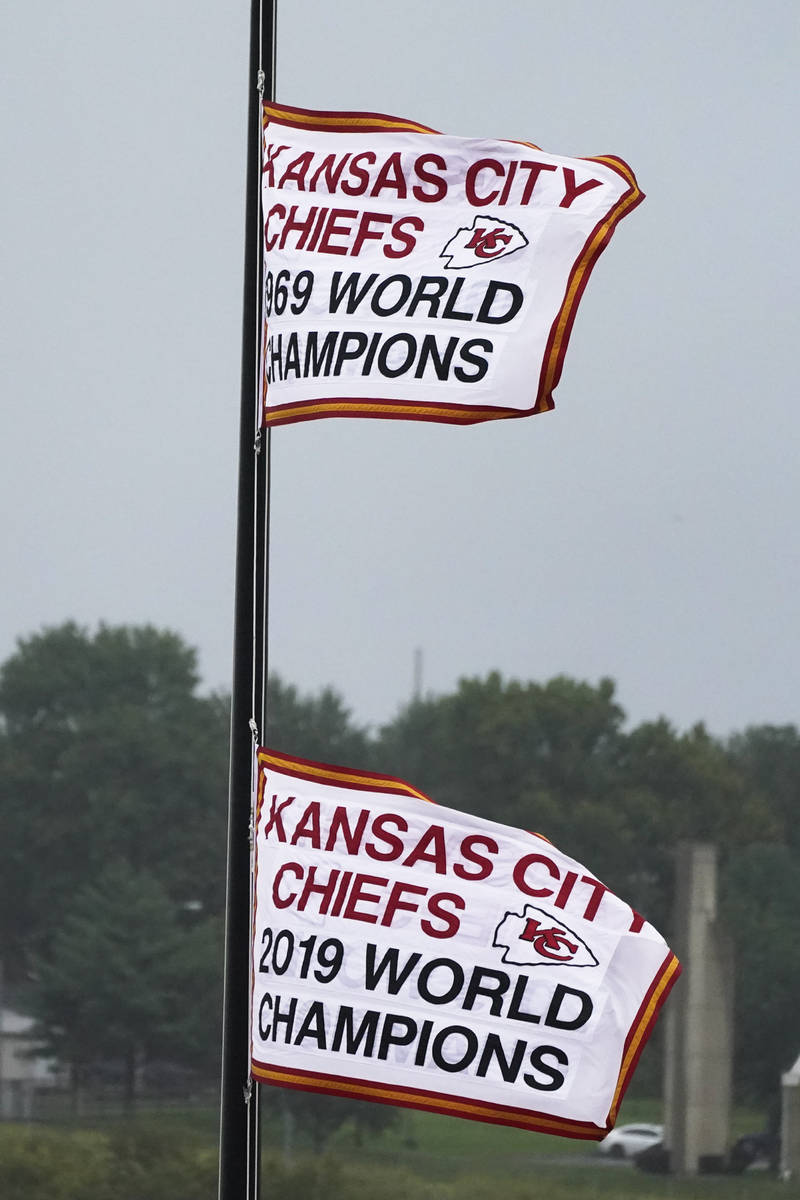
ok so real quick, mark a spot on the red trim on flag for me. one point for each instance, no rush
(337, 776)
(446, 413)
(556, 348)
(333, 121)
(643, 1025)
(427, 1101)
(253, 913)
(617, 164)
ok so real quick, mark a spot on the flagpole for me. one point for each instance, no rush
(239, 1100)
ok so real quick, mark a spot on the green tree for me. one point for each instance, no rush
(545, 757)
(106, 752)
(193, 1033)
(768, 757)
(317, 727)
(111, 985)
(510, 751)
(673, 787)
(761, 900)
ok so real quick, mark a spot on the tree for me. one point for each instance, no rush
(316, 727)
(674, 787)
(192, 1034)
(768, 757)
(761, 899)
(545, 757)
(508, 750)
(107, 752)
(110, 986)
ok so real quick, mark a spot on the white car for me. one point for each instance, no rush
(626, 1141)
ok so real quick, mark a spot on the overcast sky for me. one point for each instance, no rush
(646, 529)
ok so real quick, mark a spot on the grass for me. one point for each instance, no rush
(625, 1183)
(473, 1161)
(424, 1141)
(437, 1144)
(429, 1157)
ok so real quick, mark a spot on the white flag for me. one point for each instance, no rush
(414, 275)
(414, 955)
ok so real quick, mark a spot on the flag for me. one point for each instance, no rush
(410, 274)
(411, 954)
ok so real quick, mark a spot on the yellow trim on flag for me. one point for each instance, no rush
(448, 1105)
(618, 165)
(353, 120)
(641, 1031)
(431, 411)
(573, 290)
(379, 783)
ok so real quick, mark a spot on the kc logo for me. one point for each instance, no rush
(550, 943)
(533, 937)
(485, 240)
(489, 243)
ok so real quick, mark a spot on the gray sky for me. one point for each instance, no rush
(646, 529)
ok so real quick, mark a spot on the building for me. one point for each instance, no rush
(22, 1071)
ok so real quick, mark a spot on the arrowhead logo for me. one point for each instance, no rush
(533, 938)
(487, 239)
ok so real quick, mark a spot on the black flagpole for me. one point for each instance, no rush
(239, 1118)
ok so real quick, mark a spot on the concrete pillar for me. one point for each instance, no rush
(699, 1049)
(790, 1123)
